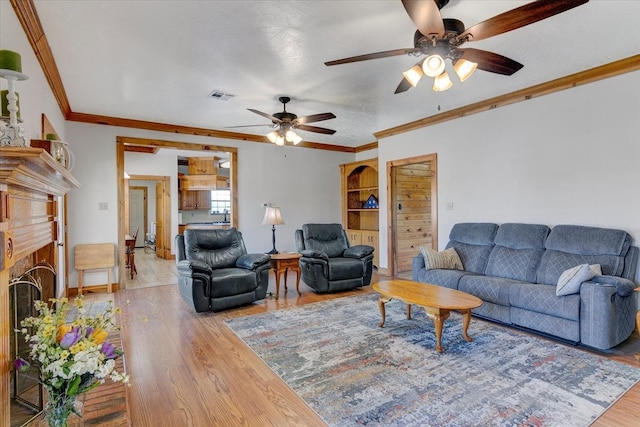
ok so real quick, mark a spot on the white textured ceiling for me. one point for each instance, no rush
(159, 60)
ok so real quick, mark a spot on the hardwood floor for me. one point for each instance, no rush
(189, 369)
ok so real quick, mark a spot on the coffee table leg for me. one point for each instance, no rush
(439, 316)
(381, 302)
(408, 311)
(466, 319)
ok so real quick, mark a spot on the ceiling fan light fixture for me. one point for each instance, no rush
(293, 137)
(442, 82)
(272, 136)
(413, 75)
(433, 66)
(279, 140)
(464, 69)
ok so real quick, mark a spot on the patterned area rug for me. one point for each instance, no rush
(351, 372)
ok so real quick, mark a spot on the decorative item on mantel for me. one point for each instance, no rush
(60, 151)
(11, 134)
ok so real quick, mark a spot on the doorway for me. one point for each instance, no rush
(138, 213)
(164, 226)
(412, 210)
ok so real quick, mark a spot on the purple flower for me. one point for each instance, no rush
(89, 331)
(109, 350)
(20, 364)
(70, 338)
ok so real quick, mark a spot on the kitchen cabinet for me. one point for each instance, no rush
(191, 200)
(203, 182)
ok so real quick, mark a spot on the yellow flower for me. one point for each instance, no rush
(48, 319)
(64, 354)
(118, 310)
(48, 331)
(77, 347)
(98, 336)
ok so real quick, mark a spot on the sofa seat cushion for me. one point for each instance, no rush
(446, 278)
(542, 299)
(345, 268)
(487, 288)
(232, 281)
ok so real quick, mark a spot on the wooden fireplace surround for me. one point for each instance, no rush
(31, 182)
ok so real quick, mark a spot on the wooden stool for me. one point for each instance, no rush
(98, 256)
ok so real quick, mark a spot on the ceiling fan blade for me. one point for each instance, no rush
(426, 16)
(315, 129)
(315, 118)
(403, 86)
(518, 17)
(249, 126)
(492, 62)
(268, 116)
(376, 55)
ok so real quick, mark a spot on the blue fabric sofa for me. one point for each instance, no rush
(514, 269)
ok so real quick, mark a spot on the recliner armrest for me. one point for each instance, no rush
(358, 251)
(624, 287)
(310, 253)
(189, 267)
(251, 261)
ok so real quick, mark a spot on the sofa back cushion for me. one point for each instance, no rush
(570, 245)
(328, 238)
(473, 242)
(517, 252)
(218, 248)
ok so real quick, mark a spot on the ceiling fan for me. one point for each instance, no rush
(439, 38)
(285, 122)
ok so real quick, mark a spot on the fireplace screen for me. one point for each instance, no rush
(26, 390)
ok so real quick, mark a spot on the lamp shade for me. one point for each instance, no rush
(413, 75)
(442, 82)
(272, 216)
(464, 68)
(433, 65)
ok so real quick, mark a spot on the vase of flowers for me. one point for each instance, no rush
(71, 350)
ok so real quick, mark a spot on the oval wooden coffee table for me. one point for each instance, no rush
(437, 302)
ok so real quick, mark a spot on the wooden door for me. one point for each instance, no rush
(160, 220)
(138, 213)
(413, 211)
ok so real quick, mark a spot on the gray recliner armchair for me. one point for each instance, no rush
(328, 262)
(215, 272)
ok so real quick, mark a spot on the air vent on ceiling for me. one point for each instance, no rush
(219, 95)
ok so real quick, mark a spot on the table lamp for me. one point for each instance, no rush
(272, 217)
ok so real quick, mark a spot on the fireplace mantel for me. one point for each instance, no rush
(31, 182)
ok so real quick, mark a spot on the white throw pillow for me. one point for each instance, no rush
(447, 259)
(570, 280)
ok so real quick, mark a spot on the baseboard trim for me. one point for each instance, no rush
(72, 292)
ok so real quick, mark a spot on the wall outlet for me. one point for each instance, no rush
(265, 204)
(103, 206)
(449, 206)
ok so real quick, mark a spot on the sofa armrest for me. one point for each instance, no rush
(358, 251)
(189, 267)
(310, 253)
(624, 287)
(252, 261)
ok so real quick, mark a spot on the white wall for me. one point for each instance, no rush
(571, 157)
(35, 95)
(305, 183)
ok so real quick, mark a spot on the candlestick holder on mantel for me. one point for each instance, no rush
(11, 133)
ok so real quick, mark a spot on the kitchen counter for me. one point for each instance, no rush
(203, 225)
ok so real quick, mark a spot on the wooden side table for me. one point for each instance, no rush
(280, 263)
